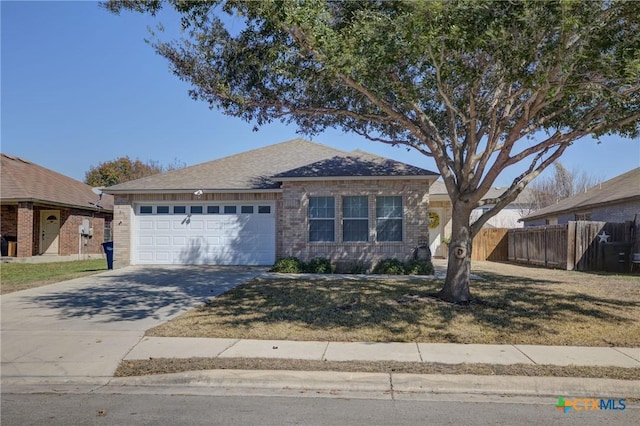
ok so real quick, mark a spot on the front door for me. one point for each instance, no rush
(49, 231)
(436, 224)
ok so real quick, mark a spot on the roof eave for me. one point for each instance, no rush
(579, 208)
(430, 178)
(54, 203)
(188, 191)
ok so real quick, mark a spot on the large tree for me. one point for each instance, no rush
(477, 85)
(124, 169)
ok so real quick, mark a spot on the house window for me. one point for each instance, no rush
(213, 209)
(355, 218)
(246, 209)
(162, 210)
(389, 218)
(107, 230)
(179, 209)
(146, 209)
(583, 216)
(195, 209)
(322, 212)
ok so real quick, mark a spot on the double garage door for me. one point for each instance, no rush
(204, 234)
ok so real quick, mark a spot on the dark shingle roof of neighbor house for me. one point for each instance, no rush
(625, 187)
(439, 190)
(250, 170)
(23, 180)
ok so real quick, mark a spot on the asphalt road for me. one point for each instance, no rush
(148, 409)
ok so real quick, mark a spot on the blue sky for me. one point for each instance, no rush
(81, 86)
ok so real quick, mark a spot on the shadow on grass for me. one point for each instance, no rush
(504, 304)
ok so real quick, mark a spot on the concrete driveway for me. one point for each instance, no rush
(84, 327)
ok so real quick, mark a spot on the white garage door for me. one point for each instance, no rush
(205, 234)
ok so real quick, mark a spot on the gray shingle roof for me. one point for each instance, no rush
(23, 180)
(255, 169)
(356, 164)
(621, 188)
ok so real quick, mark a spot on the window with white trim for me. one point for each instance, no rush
(355, 218)
(389, 218)
(322, 213)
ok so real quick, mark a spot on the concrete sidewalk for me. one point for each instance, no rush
(446, 353)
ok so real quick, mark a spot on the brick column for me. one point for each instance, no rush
(25, 229)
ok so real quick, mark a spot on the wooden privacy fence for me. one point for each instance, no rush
(490, 244)
(543, 246)
(580, 245)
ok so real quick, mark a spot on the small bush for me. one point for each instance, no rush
(357, 268)
(288, 265)
(419, 267)
(389, 267)
(319, 265)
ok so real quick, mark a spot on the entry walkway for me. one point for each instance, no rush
(446, 353)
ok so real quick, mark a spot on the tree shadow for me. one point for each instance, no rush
(149, 292)
(506, 306)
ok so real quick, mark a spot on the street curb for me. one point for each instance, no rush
(396, 383)
(396, 386)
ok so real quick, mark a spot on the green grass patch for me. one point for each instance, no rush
(21, 276)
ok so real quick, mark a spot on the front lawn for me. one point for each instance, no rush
(515, 305)
(21, 276)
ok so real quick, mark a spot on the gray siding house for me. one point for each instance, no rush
(616, 200)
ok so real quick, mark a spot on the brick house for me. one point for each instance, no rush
(615, 200)
(41, 212)
(295, 198)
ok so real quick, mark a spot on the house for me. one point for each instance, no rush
(440, 216)
(42, 211)
(616, 200)
(295, 198)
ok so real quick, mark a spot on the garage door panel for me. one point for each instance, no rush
(145, 224)
(145, 241)
(163, 224)
(163, 240)
(231, 239)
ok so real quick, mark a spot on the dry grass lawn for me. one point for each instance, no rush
(514, 305)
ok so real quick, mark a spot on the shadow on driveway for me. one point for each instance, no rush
(138, 293)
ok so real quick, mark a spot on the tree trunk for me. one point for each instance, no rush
(456, 284)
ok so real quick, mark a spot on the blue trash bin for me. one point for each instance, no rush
(108, 250)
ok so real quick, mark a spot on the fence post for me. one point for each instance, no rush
(545, 247)
(571, 245)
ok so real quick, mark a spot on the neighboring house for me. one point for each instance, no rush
(440, 204)
(43, 211)
(616, 200)
(295, 198)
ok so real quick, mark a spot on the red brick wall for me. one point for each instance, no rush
(9, 221)
(70, 220)
(25, 230)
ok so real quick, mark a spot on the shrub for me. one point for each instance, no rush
(319, 265)
(357, 268)
(419, 267)
(288, 265)
(389, 267)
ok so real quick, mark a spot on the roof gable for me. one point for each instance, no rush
(355, 164)
(262, 168)
(23, 180)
